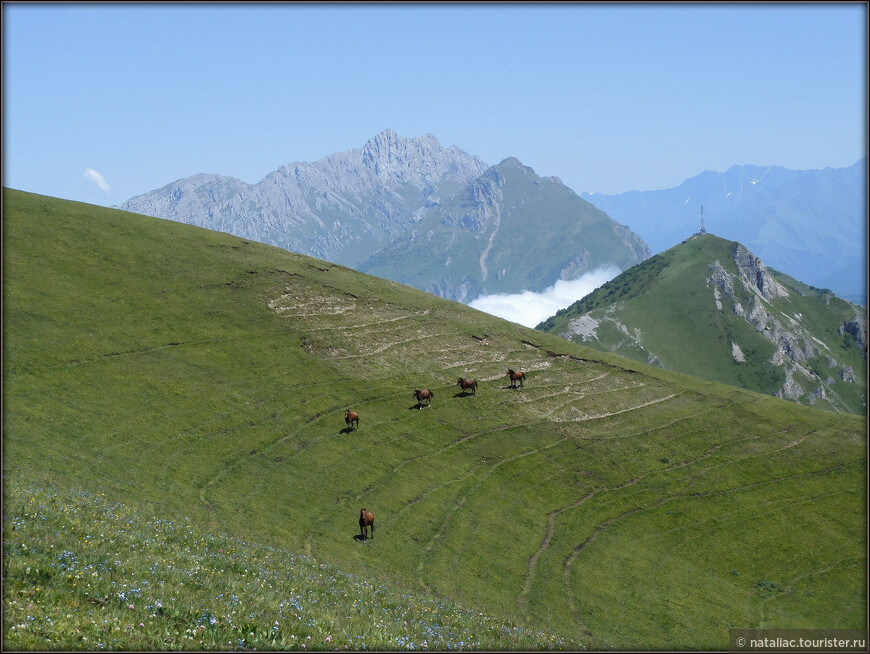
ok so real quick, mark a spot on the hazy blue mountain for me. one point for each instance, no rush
(710, 308)
(810, 224)
(340, 208)
(397, 205)
(507, 231)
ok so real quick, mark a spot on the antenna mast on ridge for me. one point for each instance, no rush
(703, 228)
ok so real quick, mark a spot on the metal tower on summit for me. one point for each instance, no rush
(703, 228)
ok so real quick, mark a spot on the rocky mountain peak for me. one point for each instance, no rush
(754, 274)
(341, 208)
(419, 161)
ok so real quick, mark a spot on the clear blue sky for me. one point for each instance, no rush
(608, 97)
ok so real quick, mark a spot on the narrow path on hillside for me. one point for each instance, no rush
(596, 531)
(849, 561)
(608, 414)
(144, 350)
(775, 510)
(551, 517)
(451, 512)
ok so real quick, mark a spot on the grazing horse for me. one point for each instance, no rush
(366, 519)
(351, 417)
(465, 384)
(425, 394)
(516, 377)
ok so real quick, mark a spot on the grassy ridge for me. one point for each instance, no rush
(194, 376)
(664, 308)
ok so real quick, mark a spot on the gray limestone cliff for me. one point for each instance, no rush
(341, 208)
(795, 344)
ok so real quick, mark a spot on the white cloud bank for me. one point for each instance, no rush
(530, 309)
(98, 179)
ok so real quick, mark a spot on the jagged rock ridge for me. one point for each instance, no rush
(340, 208)
(795, 345)
(412, 211)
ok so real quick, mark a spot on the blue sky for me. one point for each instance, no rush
(104, 102)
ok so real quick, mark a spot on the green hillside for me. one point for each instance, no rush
(696, 309)
(169, 375)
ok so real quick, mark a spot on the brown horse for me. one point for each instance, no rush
(366, 519)
(425, 394)
(465, 384)
(351, 417)
(516, 377)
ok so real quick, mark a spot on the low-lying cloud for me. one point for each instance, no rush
(98, 179)
(530, 309)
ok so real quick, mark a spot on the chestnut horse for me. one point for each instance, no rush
(366, 519)
(425, 394)
(516, 377)
(465, 384)
(351, 417)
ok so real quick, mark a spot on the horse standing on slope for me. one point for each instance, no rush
(425, 394)
(466, 384)
(366, 519)
(516, 377)
(351, 417)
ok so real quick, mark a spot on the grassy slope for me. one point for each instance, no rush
(82, 572)
(667, 299)
(609, 502)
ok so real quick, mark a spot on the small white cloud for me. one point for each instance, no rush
(530, 309)
(98, 179)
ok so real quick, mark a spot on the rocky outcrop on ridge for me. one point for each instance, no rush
(340, 208)
(795, 345)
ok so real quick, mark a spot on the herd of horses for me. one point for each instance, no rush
(351, 418)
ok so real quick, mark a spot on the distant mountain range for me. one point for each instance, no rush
(811, 224)
(444, 221)
(414, 212)
(710, 308)
(506, 232)
(341, 208)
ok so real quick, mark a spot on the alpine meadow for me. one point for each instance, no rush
(178, 472)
